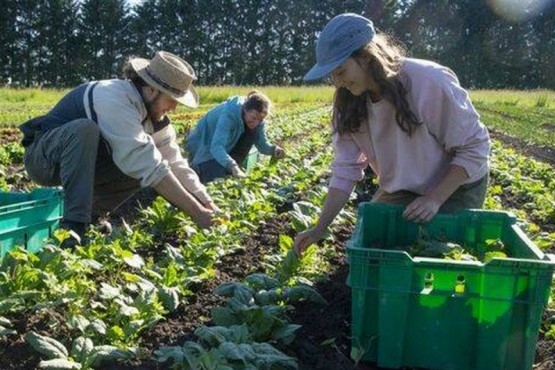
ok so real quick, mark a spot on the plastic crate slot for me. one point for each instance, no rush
(460, 284)
(27, 219)
(428, 283)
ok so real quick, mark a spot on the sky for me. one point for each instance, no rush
(134, 2)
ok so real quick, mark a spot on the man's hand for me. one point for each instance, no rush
(236, 171)
(204, 219)
(211, 206)
(172, 190)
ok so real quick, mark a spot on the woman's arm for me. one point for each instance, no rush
(334, 203)
(450, 117)
(262, 143)
(224, 128)
(423, 208)
(347, 168)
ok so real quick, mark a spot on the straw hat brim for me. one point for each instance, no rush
(189, 99)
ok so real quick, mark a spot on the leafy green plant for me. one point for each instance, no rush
(229, 348)
(260, 303)
(5, 327)
(161, 217)
(126, 317)
(429, 246)
(116, 287)
(288, 268)
(303, 215)
(84, 354)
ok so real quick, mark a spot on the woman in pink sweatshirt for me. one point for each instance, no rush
(409, 119)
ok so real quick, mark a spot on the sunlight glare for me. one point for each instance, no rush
(518, 10)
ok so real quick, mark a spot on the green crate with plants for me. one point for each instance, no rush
(464, 291)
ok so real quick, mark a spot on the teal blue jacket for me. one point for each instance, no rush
(216, 134)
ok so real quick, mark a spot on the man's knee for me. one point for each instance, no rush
(84, 128)
(81, 134)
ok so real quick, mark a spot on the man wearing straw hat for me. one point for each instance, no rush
(106, 139)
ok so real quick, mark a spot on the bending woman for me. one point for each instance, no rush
(223, 138)
(409, 119)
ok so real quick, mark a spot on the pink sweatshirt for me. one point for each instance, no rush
(451, 134)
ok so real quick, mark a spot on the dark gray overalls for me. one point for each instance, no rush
(65, 148)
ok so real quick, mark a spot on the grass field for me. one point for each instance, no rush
(529, 115)
(280, 94)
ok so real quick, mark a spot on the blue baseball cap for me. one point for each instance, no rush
(343, 35)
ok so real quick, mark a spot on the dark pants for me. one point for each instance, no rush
(466, 196)
(210, 170)
(75, 157)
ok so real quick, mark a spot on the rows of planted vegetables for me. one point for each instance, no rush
(160, 293)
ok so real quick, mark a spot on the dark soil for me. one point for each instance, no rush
(322, 342)
(541, 153)
(15, 353)
(176, 328)
(319, 323)
(180, 325)
(129, 210)
(545, 349)
(330, 324)
(10, 135)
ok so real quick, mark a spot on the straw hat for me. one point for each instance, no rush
(170, 74)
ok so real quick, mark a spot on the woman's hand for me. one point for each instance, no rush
(279, 152)
(306, 239)
(422, 209)
(236, 171)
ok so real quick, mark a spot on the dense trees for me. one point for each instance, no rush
(63, 42)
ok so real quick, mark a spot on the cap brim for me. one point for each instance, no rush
(190, 99)
(319, 71)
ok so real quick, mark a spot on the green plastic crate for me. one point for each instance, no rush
(26, 219)
(439, 314)
(250, 162)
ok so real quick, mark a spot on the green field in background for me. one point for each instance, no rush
(529, 115)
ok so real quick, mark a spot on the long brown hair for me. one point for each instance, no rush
(130, 74)
(384, 56)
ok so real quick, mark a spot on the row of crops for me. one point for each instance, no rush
(107, 295)
(160, 293)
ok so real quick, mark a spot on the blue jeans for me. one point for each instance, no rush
(211, 170)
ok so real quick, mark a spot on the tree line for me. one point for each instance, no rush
(59, 43)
